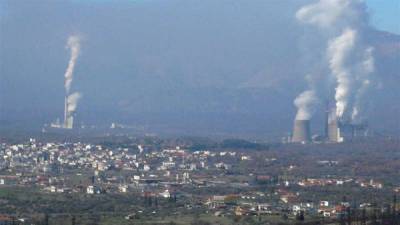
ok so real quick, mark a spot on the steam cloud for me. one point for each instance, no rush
(342, 24)
(73, 44)
(72, 101)
(305, 104)
(367, 67)
(339, 54)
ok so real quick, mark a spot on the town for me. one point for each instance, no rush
(135, 180)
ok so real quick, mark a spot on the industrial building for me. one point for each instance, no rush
(301, 131)
(68, 122)
(333, 129)
(336, 129)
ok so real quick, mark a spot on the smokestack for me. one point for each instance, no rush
(301, 131)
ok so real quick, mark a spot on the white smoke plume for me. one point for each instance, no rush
(350, 60)
(352, 64)
(72, 101)
(74, 45)
(334, 15)
(367, 67)
(339, 54)
(305, 103)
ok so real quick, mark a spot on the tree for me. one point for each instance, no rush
(199, 222)
(349, 215)
(374, 219)
(300, 216)
(363, 217)
(73, 220)
(394, 211)
(46, 219)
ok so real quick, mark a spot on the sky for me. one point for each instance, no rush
(385, 14)
(201, 66)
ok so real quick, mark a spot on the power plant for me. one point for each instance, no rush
(349, 60)
(301, 131)
(71, 99)
(336, 130)
(68, 122)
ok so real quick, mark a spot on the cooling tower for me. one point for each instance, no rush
(334, 126)
(301, 131)
(333, 131)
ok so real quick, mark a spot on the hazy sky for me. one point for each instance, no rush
(385, 14)
(207, 64)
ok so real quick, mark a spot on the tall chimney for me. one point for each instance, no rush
(301, 131)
